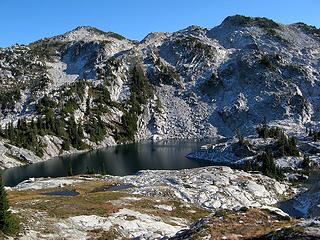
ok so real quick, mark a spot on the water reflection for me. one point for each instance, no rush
(119, 160)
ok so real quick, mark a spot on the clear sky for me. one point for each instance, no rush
(24, 21)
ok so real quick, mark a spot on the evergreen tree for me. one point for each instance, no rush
(11, 132)
(80, 131)
(96, 128)
(239, 136)
(75, 134)
(306, 163)
(59, 128)
(103, 170)
(66, 144)
(4, 207)
(39, 149)
(269, 167)
(8, 223)
(69, 170)
(33, 125)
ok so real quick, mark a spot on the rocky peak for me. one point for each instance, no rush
(155, 37)
(88, 34)
(87, 28)
(312, 30)
(193, 30)
(243, 21)
(240, 31)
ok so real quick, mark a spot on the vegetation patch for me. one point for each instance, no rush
(9, 98)
(46, 49)
(243, 224)
(87, 203)
(56, 117)
(309, 29)
(261, 21)
(116, 35)
(141, 91)
(212, 84)
(283, 146)
(164, 74)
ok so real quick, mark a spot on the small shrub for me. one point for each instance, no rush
(314, 134)
(265, 60)
(306, 163)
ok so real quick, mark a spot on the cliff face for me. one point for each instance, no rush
(91, 88)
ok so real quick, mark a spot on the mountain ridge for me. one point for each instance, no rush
(233, 18)
(193, 83)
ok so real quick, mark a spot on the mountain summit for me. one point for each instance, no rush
(87, 34)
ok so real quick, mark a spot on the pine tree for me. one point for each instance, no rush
(269, 167)
(239, 136)
(4, 207)
(33, 125)
(70, 171)
(1, 132)
(8, 223)
(103, 170)
(66, 144)
(80, 131)
(306, 163)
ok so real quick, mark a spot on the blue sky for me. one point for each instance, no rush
(24, 21)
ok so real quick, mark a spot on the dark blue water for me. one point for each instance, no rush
(67, 193)
(119, 160)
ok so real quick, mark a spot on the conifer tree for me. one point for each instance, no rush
(66, 144)
(269, 167)
(8, 223)
(4, 207)
(70, 171)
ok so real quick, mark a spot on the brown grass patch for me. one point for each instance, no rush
(251, 223)
(87, 203)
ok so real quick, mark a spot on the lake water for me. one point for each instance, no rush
(119, 160)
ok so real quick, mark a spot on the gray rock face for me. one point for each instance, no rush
(208, 82)
(210, 187)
